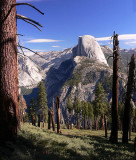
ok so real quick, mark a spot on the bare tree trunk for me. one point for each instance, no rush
(58, 114)
(43, 120)
(38, 120)
(8, 72)
(49, 120)
(115, 90)
(130, 85)
(52, 119)
(96, 124)
(130, 128)
(105, 124)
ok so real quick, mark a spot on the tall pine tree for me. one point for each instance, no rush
(99, 102)
(42, 101)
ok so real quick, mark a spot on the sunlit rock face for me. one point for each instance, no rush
(89, 47)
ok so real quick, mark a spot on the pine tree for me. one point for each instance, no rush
(99, 102)
(22, 108)
(84, 107)
(8, 72)
(69, 107)
(42, 101)
(90, 114)
(77, 108)
(32, 109)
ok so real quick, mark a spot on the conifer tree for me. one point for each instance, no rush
(84, 107)
(42, 101)
(32, 111)
(69, 107)
(99, 102)
(90, 114)
(77, 108)
(22, 108)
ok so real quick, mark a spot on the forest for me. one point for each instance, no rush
(98, 129)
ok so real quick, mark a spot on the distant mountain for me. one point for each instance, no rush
(73, 72)
(89, 47)
(30, 74)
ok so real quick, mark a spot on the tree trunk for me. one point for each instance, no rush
(49, 120)
(58, 114)
(8, 73)
(53, 120)
(115, 90)
(96, 124)
(130, 85)
(43, 120)
(105, 124)
(38, 120)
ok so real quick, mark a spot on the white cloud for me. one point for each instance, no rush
(43, 41)
(131, 42)
(121, 37)
(55, 46)
(103, 39)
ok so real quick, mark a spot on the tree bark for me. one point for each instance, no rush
(53, 120)
(38, 120)
(8, 73)
(49, 120)
(130, 87)
(115, 91)
(58, 114)
(105, 124)
(96, 124)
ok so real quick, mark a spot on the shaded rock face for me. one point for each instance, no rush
(89, 47)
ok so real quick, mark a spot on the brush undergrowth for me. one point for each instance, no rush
(35, 143)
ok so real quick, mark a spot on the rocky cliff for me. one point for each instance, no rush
(89, 47)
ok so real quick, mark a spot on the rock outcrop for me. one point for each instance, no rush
(89, 47)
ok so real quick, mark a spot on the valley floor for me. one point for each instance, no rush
(35, 143)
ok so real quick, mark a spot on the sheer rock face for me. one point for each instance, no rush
(30, 74)
(89, 47)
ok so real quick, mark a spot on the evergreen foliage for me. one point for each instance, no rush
(32, 108)
(69, 105)
(100, 104)
(42, 100)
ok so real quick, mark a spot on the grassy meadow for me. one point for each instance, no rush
(35, 143)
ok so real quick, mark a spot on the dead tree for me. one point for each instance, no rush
(105, 124)
(39, 120)
(115, 91)
(130, 87)
(49, 119)
(58, 114)
(9, 95)
(53, 120)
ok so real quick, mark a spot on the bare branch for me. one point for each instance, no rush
(17, 4)
(32, 24)
(28, 4)
(26, 18)
(109, 58)
(19, 34)
(32, 51)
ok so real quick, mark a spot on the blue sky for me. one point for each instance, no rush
(65, 20)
